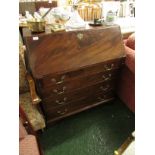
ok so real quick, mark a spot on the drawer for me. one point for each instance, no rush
(73, 85)
(60, 78)
(59, 101)
(56, 101)
(79, 105)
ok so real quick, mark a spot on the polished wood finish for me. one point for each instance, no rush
(50, 54)
(60, 114)
(58, 100)
(75, 84)
(75, 70)
(79, 104)
(101, 68)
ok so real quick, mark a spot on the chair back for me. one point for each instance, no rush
(23, 85)
(22, 130)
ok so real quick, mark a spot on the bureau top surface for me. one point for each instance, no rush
(66, 51)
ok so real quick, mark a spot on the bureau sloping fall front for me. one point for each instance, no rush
(75, 70)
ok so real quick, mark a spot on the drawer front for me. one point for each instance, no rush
(61, 78)
(58, 100)
(73, 85)
(79, 105)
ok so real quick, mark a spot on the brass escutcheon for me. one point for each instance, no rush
(80, 36)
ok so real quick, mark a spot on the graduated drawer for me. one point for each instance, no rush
(72, 85)
(58, 100)
(79, 105)
(60, 78)
(94, 88)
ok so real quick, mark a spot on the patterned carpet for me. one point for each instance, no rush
(98, 131)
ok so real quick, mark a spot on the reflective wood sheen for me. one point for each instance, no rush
(73, 74)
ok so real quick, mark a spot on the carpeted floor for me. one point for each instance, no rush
(98, 131)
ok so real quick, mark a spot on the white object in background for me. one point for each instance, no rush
(75, 21)
(110, 17)
(61, 14)
(111, 5)
(43, 10)
(49, 1)
(127, 24)
(28, 15)
(57, 13)
(124, 9)
(35, 38)
(49, 17)
(37, 16)
(62, 3)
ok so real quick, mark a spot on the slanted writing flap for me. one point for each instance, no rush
(66, 51)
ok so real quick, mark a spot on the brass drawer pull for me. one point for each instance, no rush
(62, 112)
(106, 78)
(105, 88)
(110, 67)
(61, 102)
(58, 82)
(102, 98)
(59, 92)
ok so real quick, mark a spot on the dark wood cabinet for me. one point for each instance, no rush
(75, 70)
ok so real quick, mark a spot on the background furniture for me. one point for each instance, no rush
(28, 98)
(126, 83)
(35, 6)
(28, 143)
(77, 74)
(90, 11)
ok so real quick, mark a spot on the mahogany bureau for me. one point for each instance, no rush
(75, 70)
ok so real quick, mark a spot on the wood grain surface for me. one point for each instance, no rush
(64, 51)
(75, 70)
